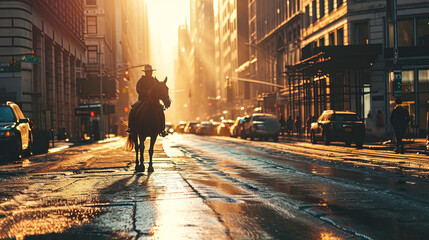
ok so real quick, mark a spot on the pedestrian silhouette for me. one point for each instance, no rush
(298, 125)
(379, 125)
(282, 124)
(399, 120)
(289, 125)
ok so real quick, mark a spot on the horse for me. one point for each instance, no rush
(146, 121)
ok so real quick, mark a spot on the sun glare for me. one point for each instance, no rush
(165, 16)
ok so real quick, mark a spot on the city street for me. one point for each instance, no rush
(216, 188)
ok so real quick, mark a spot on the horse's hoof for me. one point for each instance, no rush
(139, 168)
(150, 169)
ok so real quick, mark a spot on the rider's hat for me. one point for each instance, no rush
(148, 68)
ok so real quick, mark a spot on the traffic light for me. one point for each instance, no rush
(33, 53)
(228, 82)
(92, 114)
(127, 75)
(397, 83)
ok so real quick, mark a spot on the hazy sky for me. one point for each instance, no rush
(165, 16)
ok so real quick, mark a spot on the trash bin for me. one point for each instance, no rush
(40, 142)
(61, 134)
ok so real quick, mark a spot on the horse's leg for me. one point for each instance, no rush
(136, 146)
(142, 140)
(152, 144)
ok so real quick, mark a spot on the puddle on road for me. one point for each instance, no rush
(39, 221)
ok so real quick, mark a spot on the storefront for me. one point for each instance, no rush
(415, 97)
(331, 77)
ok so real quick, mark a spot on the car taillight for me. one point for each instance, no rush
(8, 134)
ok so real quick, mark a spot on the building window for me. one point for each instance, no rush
(361, 33)
(314, 11)
(322, 8)
(307, 15)
(91, 2)
(339, 3)
(340, 37)
(92, 54)
(322, 42)
(330, 5)
(405, 33)
(332, 39)
(91, 24)
(423, 31)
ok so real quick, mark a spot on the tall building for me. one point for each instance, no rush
(275, 28)
(42, 55)
(339, 55)
(203, 93)
(100, 69)
(116, 35)
(133, 52)
(231, 36)
(185, 75)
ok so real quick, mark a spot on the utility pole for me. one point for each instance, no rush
(392, 18)
(101, 125)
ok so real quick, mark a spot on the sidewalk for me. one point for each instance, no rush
(417, 145)
(59, 145)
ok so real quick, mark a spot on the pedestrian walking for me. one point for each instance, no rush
(370, 124)
(379, 125)
(282, 124)
(298, 125)
(289, 125)
(309, 121)
(399, 120)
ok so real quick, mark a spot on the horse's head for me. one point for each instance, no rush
(160, 91)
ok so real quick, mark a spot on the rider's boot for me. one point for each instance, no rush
(163, 133)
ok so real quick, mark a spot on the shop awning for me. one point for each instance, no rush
(328, 58)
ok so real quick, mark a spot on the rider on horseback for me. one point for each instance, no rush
(144, 85)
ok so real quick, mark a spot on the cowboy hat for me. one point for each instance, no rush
(148, 68)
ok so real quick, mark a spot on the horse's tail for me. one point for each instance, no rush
(129, 144)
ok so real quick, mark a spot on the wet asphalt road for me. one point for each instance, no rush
(216, 188)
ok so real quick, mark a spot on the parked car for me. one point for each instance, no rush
(169, 128)
(342, 126)
(205, 128)
(191, 127)
(262, 126)
(180, 128)
(15, 131)
(237, 128)
(223, 129)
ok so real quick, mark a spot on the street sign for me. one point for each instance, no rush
(397, 83)
(9, 69)
(31, 59)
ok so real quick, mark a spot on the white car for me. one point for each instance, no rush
(263, 126)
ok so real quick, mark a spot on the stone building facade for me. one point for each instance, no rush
(44, 40)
